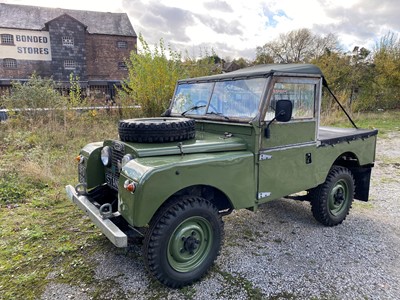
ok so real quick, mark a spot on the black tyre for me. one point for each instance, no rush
(331, 201)
(156, 130)
(183, 241)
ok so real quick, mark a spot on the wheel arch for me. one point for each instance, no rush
(361, 174)
(208, 192)
(348, 160)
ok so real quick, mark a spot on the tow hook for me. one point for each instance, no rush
(81, 189)
(106, 211)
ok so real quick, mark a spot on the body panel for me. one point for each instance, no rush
(232, 173)
(91, 167)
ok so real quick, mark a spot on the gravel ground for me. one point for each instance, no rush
(281, 252)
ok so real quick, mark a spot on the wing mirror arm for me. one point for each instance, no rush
(283, 113)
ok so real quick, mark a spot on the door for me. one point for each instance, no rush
(287, 149)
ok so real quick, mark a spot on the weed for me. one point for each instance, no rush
(237, 283)
(41, 232)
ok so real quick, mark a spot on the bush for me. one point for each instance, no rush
(153, 75)
(31, 98)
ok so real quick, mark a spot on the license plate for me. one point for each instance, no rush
(112, 181)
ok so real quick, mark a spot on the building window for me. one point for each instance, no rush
(122, 44)
(7, 39)
(68, 41)
(122, 66)
(69, 64)
(9, 63)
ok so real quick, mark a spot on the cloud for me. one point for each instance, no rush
(235, 28)
(221, 26)
(218, 5)
(155, 20)
(363, 23)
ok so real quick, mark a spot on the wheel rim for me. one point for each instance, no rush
(339, 197)
(190, 244)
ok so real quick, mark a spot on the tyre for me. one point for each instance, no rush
(156, 130)
(331, 201)
(183, 241)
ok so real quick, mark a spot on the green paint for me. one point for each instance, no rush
(239, 157)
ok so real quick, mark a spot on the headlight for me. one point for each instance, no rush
(126, 159)
(106, 156)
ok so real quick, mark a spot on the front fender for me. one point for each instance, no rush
(158, 178)
(91, 171)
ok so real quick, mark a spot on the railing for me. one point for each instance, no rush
(4, 113)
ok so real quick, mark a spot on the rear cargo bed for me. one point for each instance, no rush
(335, 135)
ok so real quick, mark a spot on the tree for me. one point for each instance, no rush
(242, 62)
(296, 46)
(206, 64)
(151, 78)
(386, 85)
(336, 68)
(152, 75)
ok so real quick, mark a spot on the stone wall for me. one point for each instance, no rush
(65, 27)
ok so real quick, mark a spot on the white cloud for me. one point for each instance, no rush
(235, 27)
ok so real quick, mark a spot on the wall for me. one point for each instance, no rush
(96, 56)
(65, 26)
(103, 56)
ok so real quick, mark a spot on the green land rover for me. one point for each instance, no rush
(227, 141)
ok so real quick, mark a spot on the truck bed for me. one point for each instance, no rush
(335, 135)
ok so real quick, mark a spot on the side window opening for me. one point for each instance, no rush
(302, 96)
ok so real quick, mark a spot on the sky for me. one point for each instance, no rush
(235, 28)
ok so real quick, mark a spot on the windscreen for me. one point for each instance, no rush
(226, 99)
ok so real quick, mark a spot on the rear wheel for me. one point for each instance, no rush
(183, 241)
(331, 201)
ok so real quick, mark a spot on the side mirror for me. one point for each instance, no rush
(283, 110)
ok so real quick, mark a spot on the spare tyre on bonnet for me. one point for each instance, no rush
(156, 130)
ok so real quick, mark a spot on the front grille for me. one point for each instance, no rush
(81, 173)
(113, 172)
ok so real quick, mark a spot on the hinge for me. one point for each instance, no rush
(264, 156)
(263, 195)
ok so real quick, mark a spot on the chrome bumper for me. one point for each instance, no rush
(110, 230)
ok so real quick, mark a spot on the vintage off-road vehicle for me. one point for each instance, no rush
(228, 141)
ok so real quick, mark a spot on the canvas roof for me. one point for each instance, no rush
(263, 70)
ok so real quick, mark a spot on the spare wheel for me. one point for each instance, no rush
(156, 130)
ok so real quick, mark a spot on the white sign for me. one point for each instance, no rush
(25, 44)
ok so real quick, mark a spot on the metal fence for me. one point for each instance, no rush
(4, 113)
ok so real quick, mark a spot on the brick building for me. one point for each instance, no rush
(56, 42)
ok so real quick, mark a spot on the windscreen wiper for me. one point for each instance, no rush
(217, 114)
(193, 108)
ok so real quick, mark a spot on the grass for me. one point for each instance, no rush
(40, 230)
(384, 121)
(45, 238)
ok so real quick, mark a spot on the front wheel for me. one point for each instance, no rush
(331, 201)
(183, 241)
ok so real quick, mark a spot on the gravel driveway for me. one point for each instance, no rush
(281, 252)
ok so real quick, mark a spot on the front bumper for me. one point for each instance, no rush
(109, 229)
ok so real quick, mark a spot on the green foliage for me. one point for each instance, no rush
(75, 97)
(363, 80)
(151, 78)
(11, 190)
(153, 74)
(207, 64)
(36, 94)
(38, 224)
(385, 86)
